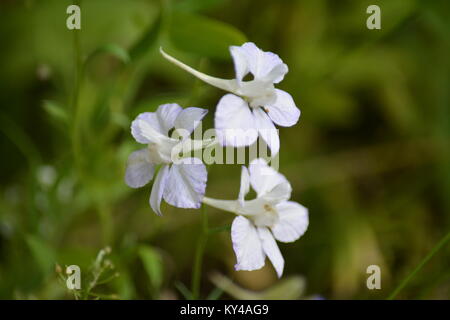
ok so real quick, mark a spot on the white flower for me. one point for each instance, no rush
(254, 106)
(182, 184)
(262, 220)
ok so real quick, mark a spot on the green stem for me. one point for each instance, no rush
(74, 103)
(219, 229)
(76, 144)
(201, 244)
(405, 281)
(104, 212)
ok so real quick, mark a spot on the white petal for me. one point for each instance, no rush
(224, 84)
(271, 249)
(151, 119)
(166, 115)
(145, 129)
(267, 130)
(263, 65)
(159, 122)
(281, 192)
(293, 221)
(246, 245)
(283, 111)
(186, 184)
(139, 170)
(226, 205)
(234, 122)
(158, 189)
(277, 73)
(189, 119)
(245, 185)
(253, 208)
(240, 62)
(267, 182)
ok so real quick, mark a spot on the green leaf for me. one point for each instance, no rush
(112, 49)
(290, 288)
(215, 294)
(203, 36)
(148, 39)
(42, 253)
(183, 290)
(197, 5)
(152, 261)
(55, 111)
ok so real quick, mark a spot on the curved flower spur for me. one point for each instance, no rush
(182, 182)
(254, 106)
(262, 220)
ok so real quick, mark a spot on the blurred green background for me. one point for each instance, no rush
(370, 156)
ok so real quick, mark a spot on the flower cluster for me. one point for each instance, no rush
(249, 110)
(182, 184)
(262, 220)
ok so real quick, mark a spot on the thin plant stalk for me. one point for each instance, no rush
(78, 75)
(201, 244)
(433, 252)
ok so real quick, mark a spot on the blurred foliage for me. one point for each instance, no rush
(370, 156)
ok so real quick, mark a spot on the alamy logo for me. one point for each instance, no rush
(374, 20)
(74, 20)
(73, 281)
(374, 280)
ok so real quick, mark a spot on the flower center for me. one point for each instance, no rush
(159, 154)
(267, 218)
(258, 93)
